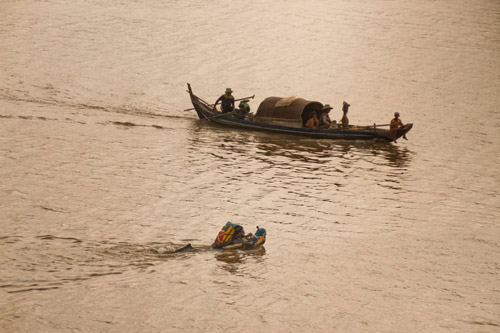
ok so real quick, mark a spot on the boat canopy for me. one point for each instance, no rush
(289, 111)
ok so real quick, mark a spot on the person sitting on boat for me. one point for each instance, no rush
(395, 124)
(345, 121)
(227, 101)
(324, 119)
(313, 121)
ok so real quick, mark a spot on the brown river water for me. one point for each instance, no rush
(103, 173)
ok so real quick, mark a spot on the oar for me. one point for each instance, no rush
(236, 100)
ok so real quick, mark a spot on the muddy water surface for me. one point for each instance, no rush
(103, 174)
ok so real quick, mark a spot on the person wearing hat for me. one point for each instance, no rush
(324, 118)
(395, 124)
(227, 101)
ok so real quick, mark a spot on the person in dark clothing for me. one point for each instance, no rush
(227, 101)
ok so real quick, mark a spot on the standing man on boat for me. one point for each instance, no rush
(227, 101)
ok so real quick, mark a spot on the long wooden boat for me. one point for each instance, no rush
(287, 116)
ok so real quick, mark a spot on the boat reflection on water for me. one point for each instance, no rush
(235, 256)
(219, 140)
(232, 260)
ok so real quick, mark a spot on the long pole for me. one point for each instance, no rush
(374, 125)
(220, 115)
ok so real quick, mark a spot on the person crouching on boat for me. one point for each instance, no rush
(395, 124)
(227, 101)
(243, 109)
(324, 119)
(313, 121)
